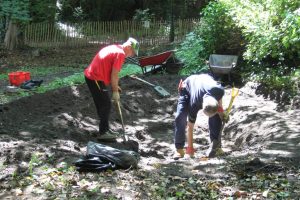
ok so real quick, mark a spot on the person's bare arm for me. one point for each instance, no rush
(115, 80)
(220, 104)
(190, 130)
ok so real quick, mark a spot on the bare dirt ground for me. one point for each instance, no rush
(262, 146)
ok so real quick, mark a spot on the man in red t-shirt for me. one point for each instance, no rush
(102, 72)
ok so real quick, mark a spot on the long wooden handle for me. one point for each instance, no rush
(121, 117)
(137, 78)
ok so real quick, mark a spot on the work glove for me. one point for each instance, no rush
(115, 96)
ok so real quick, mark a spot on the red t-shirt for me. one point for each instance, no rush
(109, 57)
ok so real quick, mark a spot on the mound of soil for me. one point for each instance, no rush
(60, 123)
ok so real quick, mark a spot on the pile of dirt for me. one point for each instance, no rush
(60, 123)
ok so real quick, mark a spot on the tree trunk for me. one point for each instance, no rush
(11, 36)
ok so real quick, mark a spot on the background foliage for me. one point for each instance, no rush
(216, 33)
(272, 33)
(271, 29)
(17, 12)
(95, 10)
(264, 34)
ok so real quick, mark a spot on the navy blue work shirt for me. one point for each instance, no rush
(199, 85)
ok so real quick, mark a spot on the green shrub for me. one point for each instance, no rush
(189, 54)
(271, 29)
(265, 35)
(215, 33)
(272, 37)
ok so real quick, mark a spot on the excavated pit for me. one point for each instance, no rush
(61, 123)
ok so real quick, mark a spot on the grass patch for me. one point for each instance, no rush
(41, 71)
(129, 69)
(76, 78)
(4, 76)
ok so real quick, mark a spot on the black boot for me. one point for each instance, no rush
(213, 148)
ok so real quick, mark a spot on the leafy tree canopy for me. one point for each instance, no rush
(16, 10)
(93, 10)
(42, 11)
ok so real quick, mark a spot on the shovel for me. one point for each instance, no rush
(128, 144)
(161, 91)
(121, 118)
(234, 93)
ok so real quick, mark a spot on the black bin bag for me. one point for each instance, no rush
(100, 157)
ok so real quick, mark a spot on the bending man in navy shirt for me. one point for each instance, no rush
(195, 93)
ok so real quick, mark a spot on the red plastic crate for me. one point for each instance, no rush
(17, 78)
(27, 76)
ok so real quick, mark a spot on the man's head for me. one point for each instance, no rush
(134, 45)
(210, 106)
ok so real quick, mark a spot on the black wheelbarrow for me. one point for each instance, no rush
(222, 64)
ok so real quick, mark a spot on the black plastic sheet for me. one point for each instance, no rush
(100, 157)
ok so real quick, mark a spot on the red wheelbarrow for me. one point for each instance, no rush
(153, 63)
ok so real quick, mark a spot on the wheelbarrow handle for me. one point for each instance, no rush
(142, 80)
(233, 64)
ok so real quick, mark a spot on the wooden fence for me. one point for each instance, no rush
(105, 32)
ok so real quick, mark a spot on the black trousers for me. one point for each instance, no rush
(102, 102)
